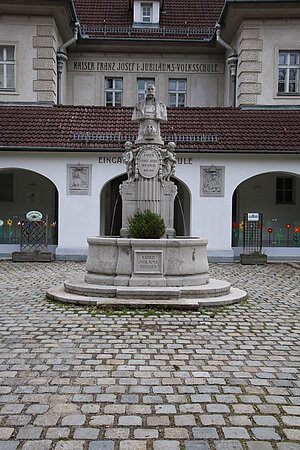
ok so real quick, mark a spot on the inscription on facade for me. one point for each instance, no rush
(144, 67)
(148, 262)
(212, 181)
(148, 163)
(79, 179)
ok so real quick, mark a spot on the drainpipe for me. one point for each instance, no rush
(231, 61)
(62, 57)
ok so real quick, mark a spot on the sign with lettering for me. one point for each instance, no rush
(148, 163)
(148, 262)
(253, 217)
(144, 67)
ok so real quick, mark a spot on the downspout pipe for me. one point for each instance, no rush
(62, 57)
(231, 61)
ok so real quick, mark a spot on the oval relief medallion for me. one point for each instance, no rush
(148, 163)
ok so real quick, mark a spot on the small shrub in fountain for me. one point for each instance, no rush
(146, 224)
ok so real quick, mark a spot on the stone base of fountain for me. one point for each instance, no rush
(161, 273)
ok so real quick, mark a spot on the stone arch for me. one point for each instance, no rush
(262, 193)
(22, 190)
(111, 207)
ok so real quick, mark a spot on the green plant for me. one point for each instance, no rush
(146, 224)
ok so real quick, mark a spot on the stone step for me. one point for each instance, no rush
(59, 294)
(214, 288)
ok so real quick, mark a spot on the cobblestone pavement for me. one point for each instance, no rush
(218, 379)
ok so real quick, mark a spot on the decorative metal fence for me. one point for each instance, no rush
(10, 230)
(34, 236)
(252, 237)
(276, 232)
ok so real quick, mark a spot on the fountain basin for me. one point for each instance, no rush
(114, 261)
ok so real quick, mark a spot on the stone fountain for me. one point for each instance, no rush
(167, 272)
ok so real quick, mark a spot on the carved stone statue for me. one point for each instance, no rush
(169, 162)
(149, 166)
(128, 159)
(149, 114)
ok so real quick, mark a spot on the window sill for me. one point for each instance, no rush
(145, 25)
(8, 92)
(287, 94)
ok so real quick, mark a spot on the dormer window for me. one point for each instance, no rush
(146, 13)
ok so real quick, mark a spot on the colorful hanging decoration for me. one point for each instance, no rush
(296, 235)
(10, 231)
(234, 229)
(270, 231)
(241, 225)
(288, 227)
(1, 225)
(279, 235)
(53, 225)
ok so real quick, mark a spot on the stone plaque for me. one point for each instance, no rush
(148, 262)
(79, 179)
(148, 163)
(212, 181)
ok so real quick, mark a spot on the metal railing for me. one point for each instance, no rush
(123, 137)
(134, 31)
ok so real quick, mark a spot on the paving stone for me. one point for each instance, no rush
(288, 446)
(74, 420)
(212, 419)
(9, 445)
(265, 434)
(5, 433)
(166, 445)
(102, 445)
(130, 420)
(37, 445)
(292, 434)
(196, 445)
(69, 445)
(268, 421)
(29, 432)
(259, 446)
(133, 445)
(205, 433)
(228, 445)
(86, 370)
(235, 433)
(86, 433)
(145, 434)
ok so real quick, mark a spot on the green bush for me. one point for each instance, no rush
(146, 224)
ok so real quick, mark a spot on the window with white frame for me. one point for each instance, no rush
(288, 72)
(7, 67)
(285, 190)
(113, 91)
(177, 93)
(142, 84)
(146, 9)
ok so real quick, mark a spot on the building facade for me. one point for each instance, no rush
(70, 74)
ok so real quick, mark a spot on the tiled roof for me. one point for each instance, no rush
(74, 128)
(97, 17)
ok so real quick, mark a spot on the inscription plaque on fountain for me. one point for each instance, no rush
(148, 163)
(148, 262)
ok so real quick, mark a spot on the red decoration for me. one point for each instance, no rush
(270, 230)
(235, 225)
(297, 230)
(288, 226)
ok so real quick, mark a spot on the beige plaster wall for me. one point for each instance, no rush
(276, 35)
(257, 43)
(88, 86)
(36, 40)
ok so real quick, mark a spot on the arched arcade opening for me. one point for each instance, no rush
(111, 208)
(277, 196)
(22, 191)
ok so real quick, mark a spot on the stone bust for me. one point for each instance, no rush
(149, 114)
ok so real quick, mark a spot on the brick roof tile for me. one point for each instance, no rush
(194, 129)
(175, 14)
